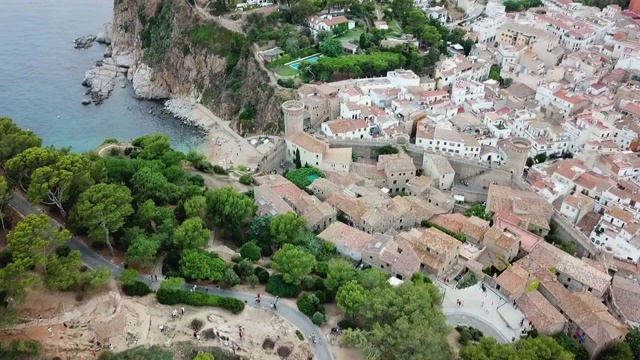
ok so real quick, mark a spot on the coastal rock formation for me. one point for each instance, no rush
(101, 79)
(105, 36)
(172, 66)
(84, 42)
(144, 85)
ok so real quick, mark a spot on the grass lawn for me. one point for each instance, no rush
(285, 70)
(352, 34)
(394, 28)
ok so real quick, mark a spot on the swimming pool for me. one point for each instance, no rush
(311, 60)
(313, 177)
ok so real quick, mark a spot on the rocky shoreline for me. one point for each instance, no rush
(120, 66)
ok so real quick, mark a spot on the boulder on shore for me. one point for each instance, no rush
(101, 79)
(84, 42)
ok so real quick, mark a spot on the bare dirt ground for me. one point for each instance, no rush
(340, 351)
(145, 316)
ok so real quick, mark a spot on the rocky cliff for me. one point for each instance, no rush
(177, 50)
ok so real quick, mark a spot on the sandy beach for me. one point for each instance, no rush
(224, 146)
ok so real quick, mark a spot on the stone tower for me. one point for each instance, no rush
(517, 154)
(293, 116)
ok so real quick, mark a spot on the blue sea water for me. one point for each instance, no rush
(41, 75)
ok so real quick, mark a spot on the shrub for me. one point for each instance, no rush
(63, 250)
(230, 278)
(283, 60)
(300, 335)
(137, 288)
(196, 180)
(321, 268)
(173, 297)
(287, 83)
(251, 251)
(308, 304)
(318, 318)
(197, 324)
(246, 179)
(277, 286)
(325, 296)
(105, 355)
(253, 280)
(18, 349)
(312, 283)
(347, 324)
(219, 170)
(468, 280)
(262, 274)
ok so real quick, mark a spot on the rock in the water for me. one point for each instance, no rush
(144, 86)
(100, 38)
(86, 101)
(84, 42)
(101, 80)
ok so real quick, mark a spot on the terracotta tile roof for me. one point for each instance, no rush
(324, 188)
(539, 311)
(577, 200)
(452, 222)
(341, 126)
(423, 210)
(528, 206)
(269, 202)
(593, 317)
(507, 242)
(438, 241)
(475, 227)
(493, 233)
(308, 142)
(345, 235)
(577, 270)
(513, 279)
(620, 214)
(396, 162)
(626, 293)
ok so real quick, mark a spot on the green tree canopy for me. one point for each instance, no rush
(539, 348)
(6, 194)
(195, 206)
(416, 21)
(331, 48)
(21, 167)
(34, 239)
(142, 250)
(350, 297)
(204, 356)
(400, 323)
(633, 339)
(340, 272)
(102, 210)
(251, 251)
(293, 262)
(172, 283)
(128, 277)
(52, 185)
(373, 278)
(191, 234)
(229, 209)
(63, 272)
(616, 351)
(286, 228)
(200, 265)
(478, 210)
(14, 140)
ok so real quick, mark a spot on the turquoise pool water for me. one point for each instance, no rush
(311, 60)
(312, 177)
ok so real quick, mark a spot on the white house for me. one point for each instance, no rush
(318, 24)
(315, 152)
(346, 128)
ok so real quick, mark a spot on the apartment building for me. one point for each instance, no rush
(463, 91)
(347, 128)
(460, 67)
(437, 251)
(443, 138)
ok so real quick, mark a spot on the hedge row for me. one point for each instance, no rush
(172, 297)
(138, 288)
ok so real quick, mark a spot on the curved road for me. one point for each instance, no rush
(93, 260)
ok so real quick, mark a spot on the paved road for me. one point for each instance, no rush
(94, 260)
(462, 318)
